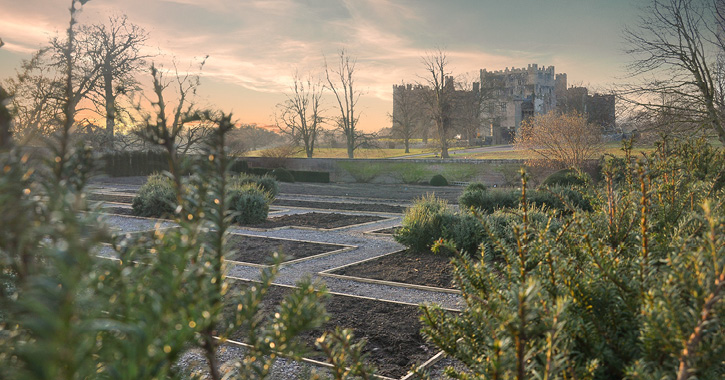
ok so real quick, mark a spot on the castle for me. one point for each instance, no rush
(495, 106)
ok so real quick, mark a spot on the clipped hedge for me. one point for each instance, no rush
(438, 180)
(134, 163)
(282, 175)
(564, 177)
(557, 198)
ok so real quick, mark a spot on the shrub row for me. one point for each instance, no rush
(430, 220)
(125, 164)
(559, 198)
(249, 197)
(143, 163)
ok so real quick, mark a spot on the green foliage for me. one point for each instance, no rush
(489, 200)
(475, 186)
(155, 198)
(422, 223)
(558, 198)
(564, 177)
(309, 176)
(465, 230)
(238, 166)
(250, 204)
(438, 180)
(632, 288)
(282, 175)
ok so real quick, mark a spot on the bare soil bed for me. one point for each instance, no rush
(117, 198)
(387, 231)
(372, 207)
(259, 250)
(317, 220)
(392, 330)
(407, 267)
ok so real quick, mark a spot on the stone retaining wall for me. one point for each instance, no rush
(490, 172)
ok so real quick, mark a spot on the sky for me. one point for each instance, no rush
(255, 46)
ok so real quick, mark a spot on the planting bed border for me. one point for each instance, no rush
(328, 273)
(378, 233)
(316, 228)
(410, 375)
(347, 247)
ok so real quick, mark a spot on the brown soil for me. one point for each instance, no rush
(317, 220)
(259, 250)
(392, 331)
(373, 207)
(388, 231)
(408, 267)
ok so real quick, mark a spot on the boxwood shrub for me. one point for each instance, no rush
(249, 204)
(438, 180)
(156, 198)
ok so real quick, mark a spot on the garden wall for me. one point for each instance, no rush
(490, 172)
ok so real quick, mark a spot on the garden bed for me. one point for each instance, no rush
(392, 330)
(319, 220)
(406, 267)
(370, 207)
(259, 249)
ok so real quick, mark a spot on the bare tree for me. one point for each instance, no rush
(439, 99)
(678, 53)
(565, 140)
(300, 115)
(37, 100)
(406, 113)
(115, 48)
(166, 126)
(341, 81)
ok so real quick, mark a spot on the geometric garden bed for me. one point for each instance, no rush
(258, 249)
(392, 329)
(424, 270)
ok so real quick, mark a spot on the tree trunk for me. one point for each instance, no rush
(350, 145)
(407, 145)
(110, 99)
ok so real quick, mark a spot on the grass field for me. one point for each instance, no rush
(613, 148)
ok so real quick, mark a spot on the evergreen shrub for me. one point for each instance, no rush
(156, 198)
(422, 223)
(282, 175)
(438, 180)
(564, 177)
(249, 204)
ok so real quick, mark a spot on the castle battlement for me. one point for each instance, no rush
(531, 68)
